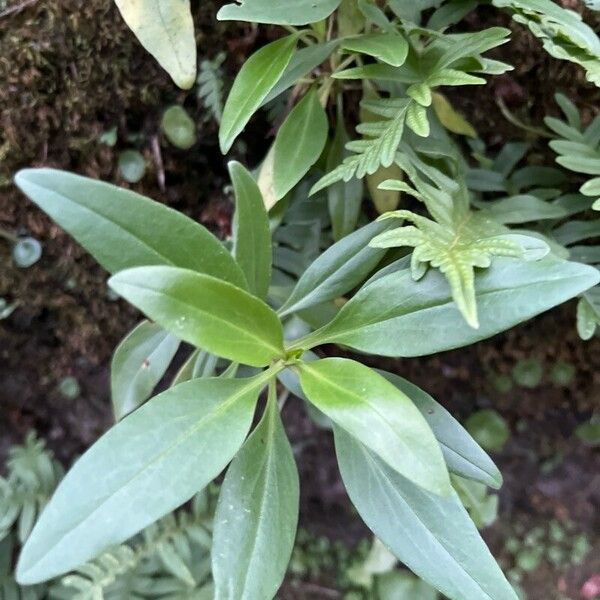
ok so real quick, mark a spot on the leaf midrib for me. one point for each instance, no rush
(214, 414)
(245, 332)
(387, 480)
(427, 306)
(376, 411)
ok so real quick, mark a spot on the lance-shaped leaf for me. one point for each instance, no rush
(339, 269)
(204, 311)
(299, 143)
(166, 29)
(147, 465)
(251, 234)
(378, 414)
(299, 12)
(122, 229)
(432, 535)
(397, 316)
(389, 47)
(257, 515)
(255, 80)
(461, 452)
(344, 198)
(138, 364)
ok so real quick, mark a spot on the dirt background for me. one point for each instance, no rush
(70, 71)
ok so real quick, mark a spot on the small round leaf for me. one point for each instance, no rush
(178, 127)
(132, 166)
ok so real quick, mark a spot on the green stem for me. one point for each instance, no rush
(230, 371)
(307, 342)
(514, 120)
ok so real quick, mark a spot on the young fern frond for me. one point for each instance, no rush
(455, 251)
(91, 579)
(445, 60)
(536, 197)
(378, 148)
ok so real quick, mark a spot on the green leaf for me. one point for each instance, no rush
(122, 229)
(251, 234)
(395, 585)
(462, 45)
(132, 166)
(454, 246)
(396, 316)
(522, 208)
(589, 433)
(350, 19)
(299, 12)
(138, 364)
(179, 127)
(389, 47)
(254, 81)
(563, 33)
(257, 515)
(147, 465)
(481, 506)
(204, 311)
(432, 535)
(339, 269)
(166, 29)
(588, 314)
(378, 414)
(461, 452)
(489, 428)
(344, 198)
(299, 143)
(450, 118)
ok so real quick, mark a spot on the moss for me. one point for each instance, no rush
(66, 67)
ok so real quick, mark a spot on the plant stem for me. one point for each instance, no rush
(8, 236)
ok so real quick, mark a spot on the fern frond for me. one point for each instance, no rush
(455, 251)
(563, 33)
(377, 148)
(170, 557)
(33, 475)
(210, 85)
(578, 149)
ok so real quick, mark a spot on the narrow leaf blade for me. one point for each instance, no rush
(255, 80)
(299, 143)
(251, 234)
(461, 452)
(379, 415)
(138, 364)
(122, 229)
(257, 514)
(396, 316)
(166, 29)
(432, 535)
(204, 311)
(144, 467)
